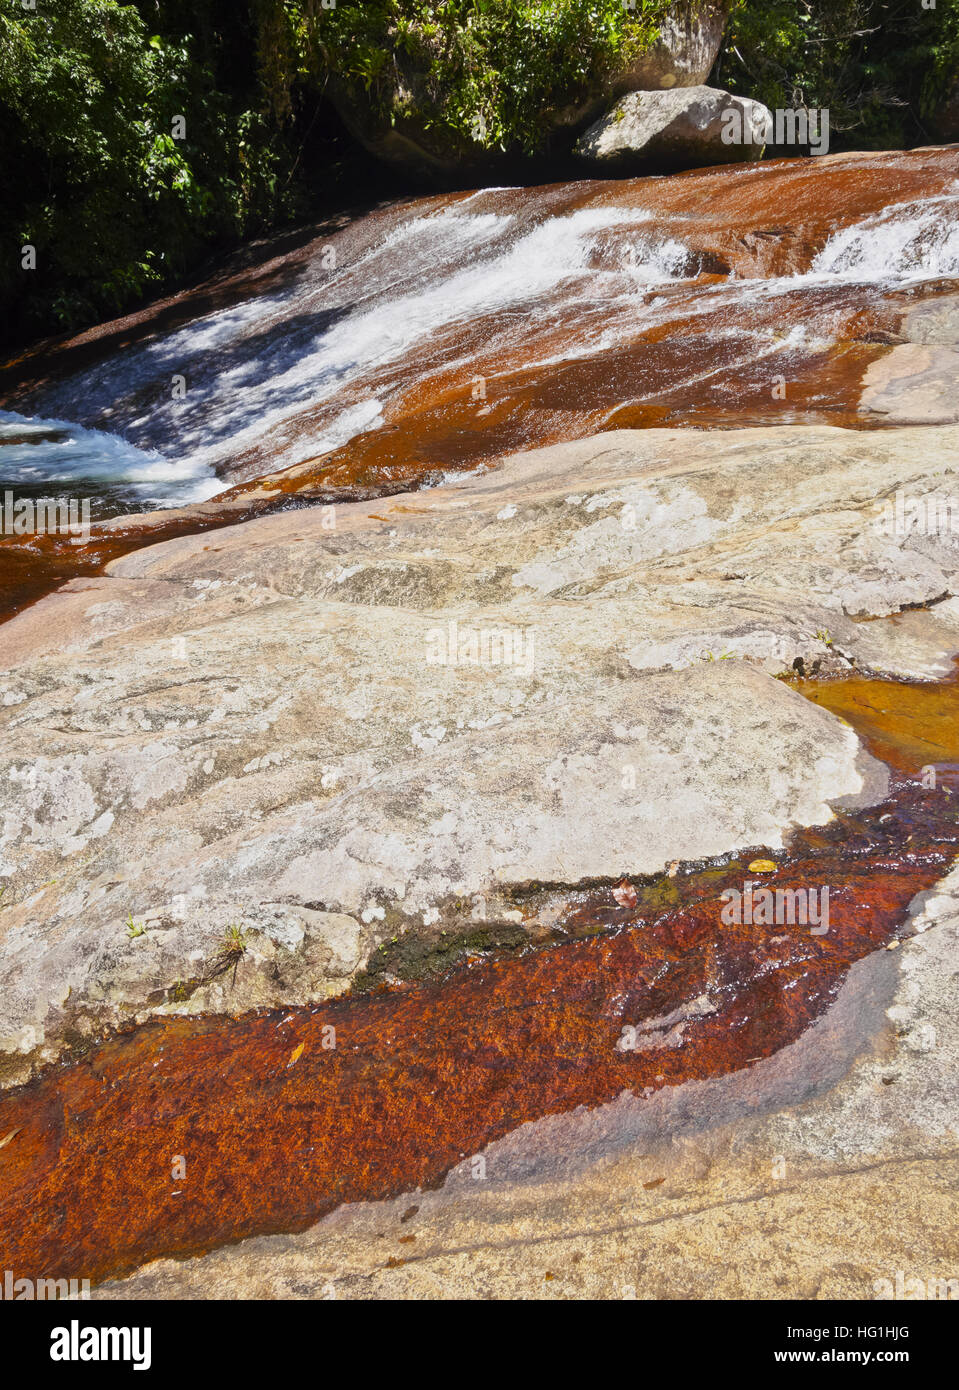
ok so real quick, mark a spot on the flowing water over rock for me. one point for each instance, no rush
(444, 333)
(39, 456)
(250, 730)
(437, 334)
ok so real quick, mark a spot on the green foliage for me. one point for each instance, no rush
(92, 175)
(881, 67)
(488, 72)
(942, 72)
(234, 941)
(134, 929)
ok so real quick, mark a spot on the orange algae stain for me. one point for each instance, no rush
(908, 724)
(31, 569)
(421, 1078)
(683, 353)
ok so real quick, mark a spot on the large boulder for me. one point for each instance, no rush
(684, 52)
(403, 127)
(684, 128)
(342, 743)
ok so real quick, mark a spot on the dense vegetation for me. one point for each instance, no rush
(494, 69)
(91, 173)
(881, 67)
(135, 139)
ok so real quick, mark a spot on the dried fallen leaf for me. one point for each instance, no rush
(763, 866)
(12, 1135)
(625, 894)
(297, 1054)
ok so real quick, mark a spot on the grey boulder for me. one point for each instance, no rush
(683, 128)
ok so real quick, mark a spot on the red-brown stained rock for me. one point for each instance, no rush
(277, 1129)
(754, 222)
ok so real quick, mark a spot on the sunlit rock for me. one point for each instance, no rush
(687, 127)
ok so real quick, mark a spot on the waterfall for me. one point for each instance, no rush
(378, 335)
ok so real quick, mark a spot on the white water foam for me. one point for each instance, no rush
(902, 244)
(35, 452)
(255, 371)
(424, 277)
(910, 241)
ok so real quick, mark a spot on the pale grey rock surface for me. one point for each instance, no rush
(683, 128)
(917, 383)
(822, 1172)
(919, 644)
(260, 728)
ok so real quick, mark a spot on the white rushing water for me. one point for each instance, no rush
(334, 340)
(910, 241)
(40, 454)
(427, 275)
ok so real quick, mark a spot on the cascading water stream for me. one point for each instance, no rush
(469, 316)
(40, 456)
(436, 338)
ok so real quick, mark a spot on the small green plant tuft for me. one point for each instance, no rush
(234, 941)
(232, 950)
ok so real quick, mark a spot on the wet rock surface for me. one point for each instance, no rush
(370, 855)
(281, 1116)
(562, 669)
(442, 339)
(815, 1174)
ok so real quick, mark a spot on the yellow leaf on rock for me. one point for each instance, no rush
(763, 866)
(297, 1054)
